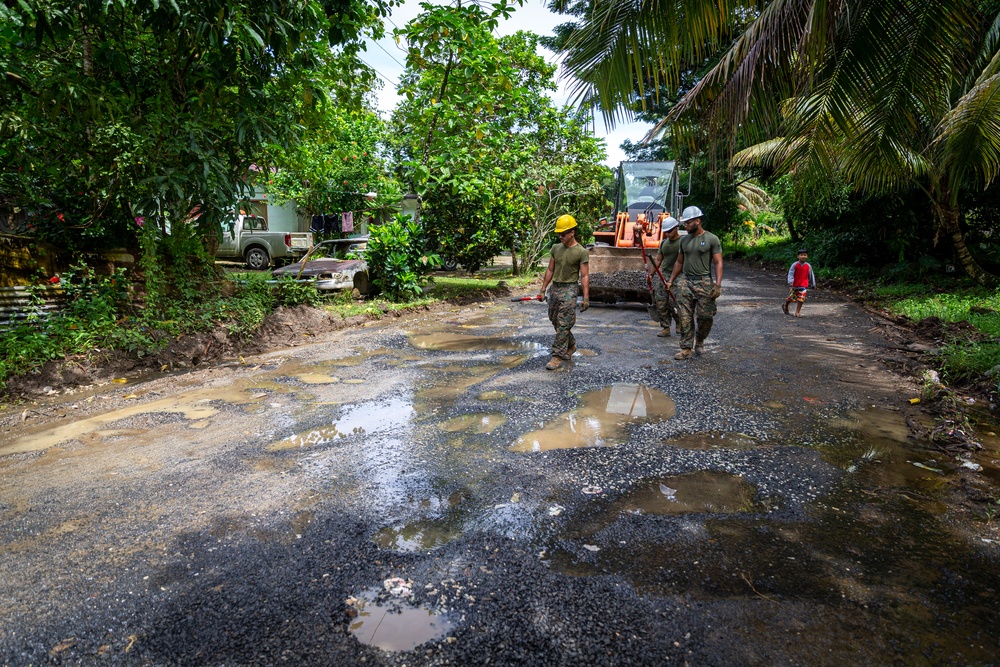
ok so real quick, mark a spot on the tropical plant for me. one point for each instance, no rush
(397, 258)
(888, 94)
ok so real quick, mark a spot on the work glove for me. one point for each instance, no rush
(584, 305)
(715, 293)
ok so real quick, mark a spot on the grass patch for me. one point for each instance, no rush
(441, 288)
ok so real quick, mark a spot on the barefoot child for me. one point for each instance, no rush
(800, 278)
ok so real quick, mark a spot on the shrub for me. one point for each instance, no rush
(398, 262)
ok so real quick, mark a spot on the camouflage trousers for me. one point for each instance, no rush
(692, 294)
(666, 307)
(562, 314)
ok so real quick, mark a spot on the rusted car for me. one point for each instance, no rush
(322, 266)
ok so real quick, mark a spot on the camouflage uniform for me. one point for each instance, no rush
(666, 308)
(562, 314)
(692, 293)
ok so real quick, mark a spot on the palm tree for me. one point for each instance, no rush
(891, 94)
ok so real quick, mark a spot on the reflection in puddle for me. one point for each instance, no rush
(426, 534)
(467, 343)
(455, 383)
(601, 420)
(875, 445)
(493, 395)
(393, 625)
(716, 440)
(477, 422)
(702, 491)
(369, 417)
(418, 536)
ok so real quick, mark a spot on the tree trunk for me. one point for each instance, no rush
(513, 260)
(793, 232)
(948, 219)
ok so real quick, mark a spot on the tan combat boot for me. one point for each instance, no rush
(554, 363)
(682, 355)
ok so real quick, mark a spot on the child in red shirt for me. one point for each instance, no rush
(800, 278)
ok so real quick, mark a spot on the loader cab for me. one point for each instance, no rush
(646, 192)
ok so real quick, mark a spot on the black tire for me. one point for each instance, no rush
(449, 265)
(257, 258)
(361, 282)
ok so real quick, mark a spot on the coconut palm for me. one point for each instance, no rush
(892, 94)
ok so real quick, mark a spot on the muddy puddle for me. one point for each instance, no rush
(468, 343)
(602, 419)
(393, 625)
(874, 446)
(703, 491)
(363, 418)
(195, 406)
(478, 422)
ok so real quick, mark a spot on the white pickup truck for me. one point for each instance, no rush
(248, 239)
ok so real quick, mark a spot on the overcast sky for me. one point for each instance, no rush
(387, 58)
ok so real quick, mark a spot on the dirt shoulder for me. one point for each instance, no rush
(285, 327)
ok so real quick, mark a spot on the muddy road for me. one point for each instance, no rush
(421, 491)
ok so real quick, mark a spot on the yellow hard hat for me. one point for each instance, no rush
(565, 222)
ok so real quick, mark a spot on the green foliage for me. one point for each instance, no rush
(398, 261)
(291, 293)
(479, 139)
(253, 300)
(335, 165)
(115, 110)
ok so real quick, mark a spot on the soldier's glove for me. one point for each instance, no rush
(715, 293)
(584, 305)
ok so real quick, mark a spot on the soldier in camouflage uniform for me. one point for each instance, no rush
(666, 256)
(700, 252)
(568, 264)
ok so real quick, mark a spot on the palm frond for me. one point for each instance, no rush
(969, 136)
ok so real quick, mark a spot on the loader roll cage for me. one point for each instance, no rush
(646, 193)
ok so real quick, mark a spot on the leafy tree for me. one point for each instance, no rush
(335, 165)
(478, 131)
(114, 110)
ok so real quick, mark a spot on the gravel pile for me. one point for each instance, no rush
(619, 280)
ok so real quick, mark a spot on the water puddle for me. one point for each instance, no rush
(193, 405)
(467, 343)
(394, 625)
(317, 378)
(602, 420)
(493, 395)
(477, 422)
(456, 381)
(874, 445)
(423, 535)
(714, 440)
(704, 491)
(369, 417)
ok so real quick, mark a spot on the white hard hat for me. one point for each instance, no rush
(670, 223)
(690, 213)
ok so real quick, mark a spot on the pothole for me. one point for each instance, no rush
(477, 422)
(392, 624)
(704, 491)
(601, 420)
(467, 343)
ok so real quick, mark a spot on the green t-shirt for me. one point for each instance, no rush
(668, 251)
(568, 261)
(698, 251)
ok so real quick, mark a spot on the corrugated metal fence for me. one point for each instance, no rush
(18, 304)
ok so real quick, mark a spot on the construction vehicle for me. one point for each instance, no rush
(646, 194)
